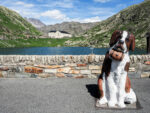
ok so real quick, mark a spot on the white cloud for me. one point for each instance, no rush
(25, 9)
(102, 1)
(92, 19)
(102, 12)
(51, 21)
(59, 4)
(25, 12)
(24, 4)
(54, 14)
(121, 6)
(85, 20)
(63, 4)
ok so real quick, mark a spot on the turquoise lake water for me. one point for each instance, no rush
(59, 51)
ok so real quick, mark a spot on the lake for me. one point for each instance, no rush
(59, 51)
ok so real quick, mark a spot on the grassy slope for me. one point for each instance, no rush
(39, 42)
(15, 31)
(136, 18)
(13, 26)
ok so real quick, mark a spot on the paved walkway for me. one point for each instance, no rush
(61, 95)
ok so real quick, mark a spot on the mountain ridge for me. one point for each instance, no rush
(13, 26)
(74, 28)
(35, 22)
(135, 18)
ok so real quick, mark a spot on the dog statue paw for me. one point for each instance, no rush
(111, 104)
(102, 101)
(121, 105)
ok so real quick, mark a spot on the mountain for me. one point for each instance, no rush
(35, 22)
(74, 28)
(13, 26)
(135, 18)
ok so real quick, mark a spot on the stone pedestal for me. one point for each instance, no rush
(134, 106)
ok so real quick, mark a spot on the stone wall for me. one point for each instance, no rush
(77, 66)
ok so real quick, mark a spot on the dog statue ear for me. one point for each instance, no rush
(132, 45)
(114, 38)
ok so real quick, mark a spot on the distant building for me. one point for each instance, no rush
(58, 34)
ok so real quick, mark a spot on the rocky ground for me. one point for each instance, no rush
(61, 95)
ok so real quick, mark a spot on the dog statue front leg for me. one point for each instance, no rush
(102, 89)
(121, 90)
(112, 90)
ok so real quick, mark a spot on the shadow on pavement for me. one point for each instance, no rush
(93, 90)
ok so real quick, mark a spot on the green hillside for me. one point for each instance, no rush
(136, 18)
(13, 26)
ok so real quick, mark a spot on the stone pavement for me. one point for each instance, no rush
(61, 95)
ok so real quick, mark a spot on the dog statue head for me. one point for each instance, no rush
(122, 41)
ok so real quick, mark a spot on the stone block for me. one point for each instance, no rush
(147, 62)
(34, 76)
(60, 74)
(1, 74)
(97, 58)
(28, 69)
(22, 64)
(50, 67)
(23, 75)
(85, 72)
(69, 75)
(81, 65)
(29, 63)
(4, 68)
(94, 67)
(17, 69)
(64, 70)
(4, 74)
(132, 69)
(96, 71)
(145, 67)
(36, 70)
(90, 58)
(11, 75)
(81, 68)
(50, 70)
(71, 64)
(92, 76)
(45, 75)
(74, 71)
(145, 74)
(79, 76)
(54, 66)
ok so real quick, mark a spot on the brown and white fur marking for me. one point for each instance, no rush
(114, 83)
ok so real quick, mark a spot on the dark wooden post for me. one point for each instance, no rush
(148, 42)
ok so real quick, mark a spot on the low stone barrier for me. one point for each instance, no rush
(77, 66)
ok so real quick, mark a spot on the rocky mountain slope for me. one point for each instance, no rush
(13, 26)
(135, 18)
(74, 28)
(35, 22)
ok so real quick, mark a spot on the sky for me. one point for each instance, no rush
(58, 11)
